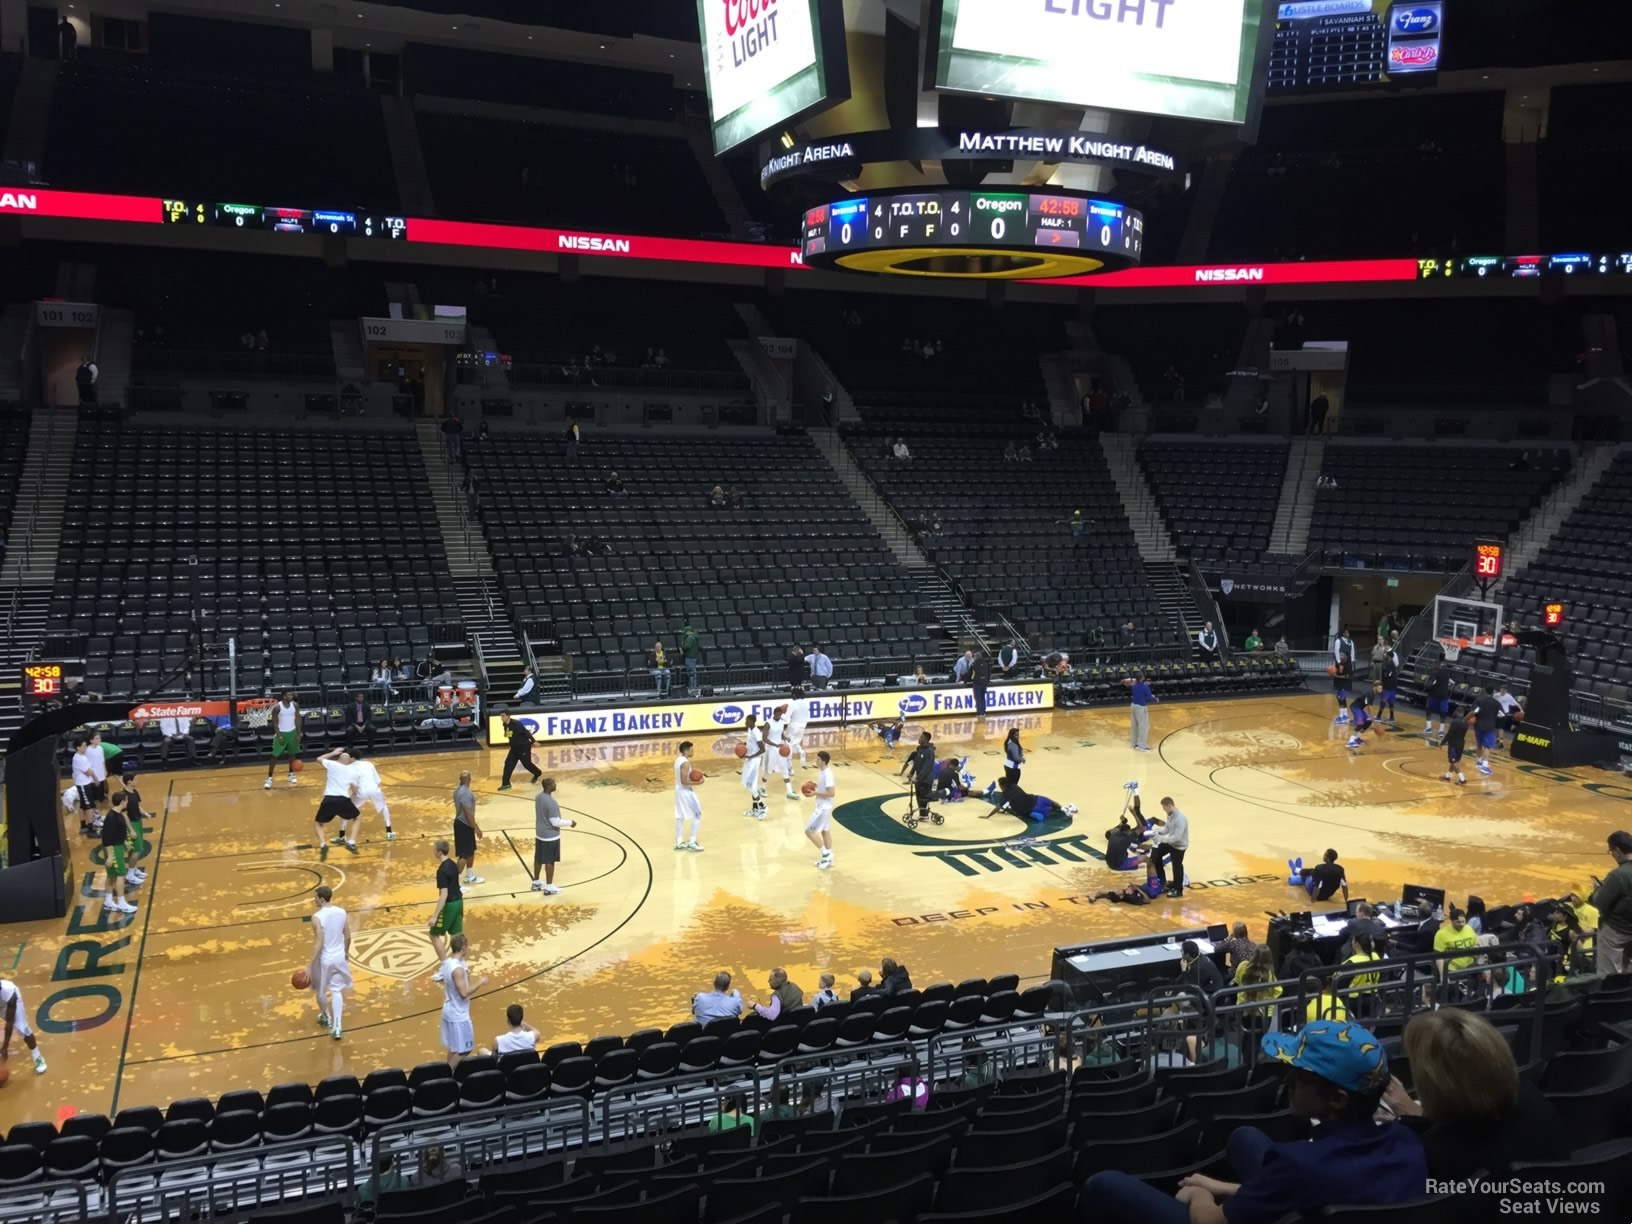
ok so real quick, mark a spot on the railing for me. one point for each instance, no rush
(242, 363)
(36, 496)
(534, 373)
(734, 678)
(486, 1139)
(1208, 606)
(322, 1167)
(51, 1202)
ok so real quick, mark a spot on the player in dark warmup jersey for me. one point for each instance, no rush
(1437, 701)
(1455, 736)
(1340, 683)
(521, 750)
(1485, 710)
(1360, 718)
(1390, 687)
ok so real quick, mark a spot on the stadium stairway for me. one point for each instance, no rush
(346, 342)
(115, 341)
(1296, 508)
(1168, 582)
(14, 324)
(481, 603)
(1150, 529)
(1537, 531)
(31, 556)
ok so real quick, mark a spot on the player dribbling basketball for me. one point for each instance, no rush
(331, 959)
(753, 766)
(688, 807)
(819, 829)
(779, 760)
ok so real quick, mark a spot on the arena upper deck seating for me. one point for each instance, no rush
(464, 72)
(798, 563)
(1145, 336)
(1410, 175)
(319, 550)
(987, 358)
(260, 128)
(1004, 536)
(1575, 569)
(1422, 506)
(637, 183)
(1584, 170)
(15, 423)
(1219, 499)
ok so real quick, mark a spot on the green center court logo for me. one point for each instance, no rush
(966, 843)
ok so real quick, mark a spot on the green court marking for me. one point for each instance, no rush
(18, 959)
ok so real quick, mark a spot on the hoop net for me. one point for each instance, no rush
(1452, 650)
(257, 712)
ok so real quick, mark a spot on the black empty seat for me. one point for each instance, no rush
(124, 1147)
(20, 1163)
(435, 1097)
(182, 1138)
(35, 1134)
(192, 1107)
(73, 1156)
(530, 1082)
(484, 1090)
(234, 1129)
(572, 1077)
(289, 1120)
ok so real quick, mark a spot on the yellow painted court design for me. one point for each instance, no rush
(190, 996)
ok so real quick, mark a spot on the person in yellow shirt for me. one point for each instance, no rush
(1325, 1006)
(1453, 935)
(1364, 985)
(1258, 972)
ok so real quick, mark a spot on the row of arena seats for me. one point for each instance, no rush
(15, 424)
(676, 559)
(319, 549)
(1257, 673)
(1597, 599)
(1004, 536)
(1217, 500)
(1427, 501)
(991, 1140)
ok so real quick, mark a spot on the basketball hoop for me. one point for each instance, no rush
(1452, 651)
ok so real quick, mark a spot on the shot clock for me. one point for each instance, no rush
(974, 233)
(43, 681)
(1487, 561)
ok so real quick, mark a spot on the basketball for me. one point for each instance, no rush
(300, 979)
(1331, 669)
(297, 765)
(784, 750)
(808, 789)
(696, 776)
(742, 750)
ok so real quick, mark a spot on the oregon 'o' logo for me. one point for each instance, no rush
(878, 819)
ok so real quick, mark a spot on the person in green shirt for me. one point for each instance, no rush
(1456, 934)
(731, 1116)
(1253, 642)
(690, 651)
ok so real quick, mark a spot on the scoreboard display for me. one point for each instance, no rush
(1487, 561)
(44, 681)
(339, 222)
(943, 224)
(1569, 263)
(1334, 44)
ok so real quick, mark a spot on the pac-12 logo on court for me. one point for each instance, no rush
(1013, 844)
(394, 952)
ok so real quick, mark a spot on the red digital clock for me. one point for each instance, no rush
(42, 679)
(1553, 614)
(1487, 561)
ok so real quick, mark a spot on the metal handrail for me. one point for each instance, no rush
(34, 500)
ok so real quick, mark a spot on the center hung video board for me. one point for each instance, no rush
(1189, 59)
(1013, 235)
(770, 63)
(339, 222)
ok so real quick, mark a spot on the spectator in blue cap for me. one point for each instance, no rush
(1338, 1072)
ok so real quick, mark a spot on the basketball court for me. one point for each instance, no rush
(190, 996)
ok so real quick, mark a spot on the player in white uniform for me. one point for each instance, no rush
(798, 720)
(753, 767)
(778, 765)
(339, 785)
(820, 826)
(687, 806)
(331, 959)
(16, 1017)
(457, 988)
(85, 784)
(370, 790)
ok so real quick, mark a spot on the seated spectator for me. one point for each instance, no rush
(1025, 453)
(785, 996)
(1323, 880)
(1282, 646)
(731, 1115)
(519, 1036)
(1199, 970)
(1472, 1111)
(893, 979)
(864, 986)
(614, 485)
(716, 497)
(1454, 935)
(380, 679)
(178, 735)
(359, 722)
(733, 499)
(720, 1001)
(825, 993)
(919, 676)
(1253, 642)
(657, 662)
(1010, 453)
(661, 360)
(1338, 1074)
(900, 450)
(1238, 948)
